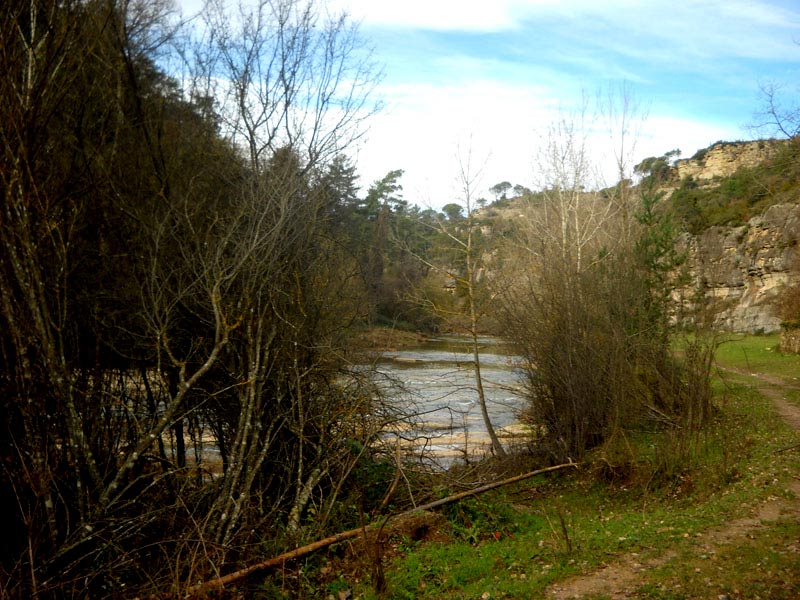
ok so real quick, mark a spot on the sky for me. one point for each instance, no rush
(486, 78)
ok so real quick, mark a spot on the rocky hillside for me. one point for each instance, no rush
(725, 158)
(738, 204)
(742, 270)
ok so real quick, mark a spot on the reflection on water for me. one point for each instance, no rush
(438, 387)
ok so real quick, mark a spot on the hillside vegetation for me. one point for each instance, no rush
(741, 195)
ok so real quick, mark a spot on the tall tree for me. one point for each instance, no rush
(588, 305)
(500, 190)
(463, 260)
(166, 276)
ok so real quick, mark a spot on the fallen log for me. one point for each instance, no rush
(221, 582)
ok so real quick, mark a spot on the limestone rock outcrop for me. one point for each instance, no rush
(724, 158)
(741, 271)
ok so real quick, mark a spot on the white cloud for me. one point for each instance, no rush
(451, 15)
(706, 29)
(733, 28)
(497, 92)
(423, 129)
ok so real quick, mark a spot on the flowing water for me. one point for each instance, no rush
(437, 386)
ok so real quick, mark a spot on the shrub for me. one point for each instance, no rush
(598, 345)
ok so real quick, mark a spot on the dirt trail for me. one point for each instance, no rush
(620, 579)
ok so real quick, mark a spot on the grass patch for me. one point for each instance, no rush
(759, 354)
(764, 564)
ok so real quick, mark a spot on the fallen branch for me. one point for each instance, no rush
(221, 582)
(792, 447)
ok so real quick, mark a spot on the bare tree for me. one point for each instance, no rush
(292, 93)
(588, 304)
(568, 216)
(623, 117)
(576, 207)
(286, 75)
(160, 290)
(465, 264)
(776, 116)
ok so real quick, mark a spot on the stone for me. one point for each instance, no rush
(741, 271)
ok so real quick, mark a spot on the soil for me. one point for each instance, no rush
(618, 580)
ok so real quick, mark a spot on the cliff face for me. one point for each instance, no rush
(742, 270)
(724, 158)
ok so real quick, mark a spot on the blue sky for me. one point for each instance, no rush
(490, 75)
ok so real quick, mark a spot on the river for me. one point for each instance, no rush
(437, 387)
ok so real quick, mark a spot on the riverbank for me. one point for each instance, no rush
(390, 339)
(387, 339)
(723, 524)
(431, 380)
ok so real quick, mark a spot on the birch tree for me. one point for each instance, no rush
(567, 217)
(588, 305)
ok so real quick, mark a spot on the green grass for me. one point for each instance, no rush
(764, 564)
(516, 541)
(759, 354)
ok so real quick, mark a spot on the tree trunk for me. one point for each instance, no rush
(497, 447)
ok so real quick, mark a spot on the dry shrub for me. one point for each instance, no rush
(599, 347)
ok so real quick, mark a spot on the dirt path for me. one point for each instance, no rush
(774, 391)
(620, 579)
